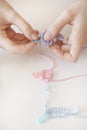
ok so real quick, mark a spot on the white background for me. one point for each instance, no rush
(22, 96)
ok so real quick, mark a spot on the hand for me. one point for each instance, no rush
(76, 16)
(9, 39)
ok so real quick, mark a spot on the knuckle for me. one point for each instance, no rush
(53, 29)
(68, 14)
(55, 26)
(27, 27)
(13, 15)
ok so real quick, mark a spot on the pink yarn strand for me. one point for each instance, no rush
(53, 63)
(69, 78)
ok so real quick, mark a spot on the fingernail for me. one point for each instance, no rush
(47, 36)
(34, 36)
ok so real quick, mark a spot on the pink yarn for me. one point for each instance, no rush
(69, 78)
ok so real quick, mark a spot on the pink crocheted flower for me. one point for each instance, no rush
(46, 75)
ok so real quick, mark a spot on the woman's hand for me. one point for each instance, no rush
(9, 39)
(76, 16)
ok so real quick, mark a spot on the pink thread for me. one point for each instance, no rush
(53, 62)
(69, 78)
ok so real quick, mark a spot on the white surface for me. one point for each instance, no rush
(22, 97)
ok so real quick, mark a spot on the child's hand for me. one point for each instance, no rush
(76, 16)
(9, 39)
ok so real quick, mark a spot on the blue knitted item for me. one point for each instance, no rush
(57, 112)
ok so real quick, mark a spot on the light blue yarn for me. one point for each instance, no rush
(43, 118)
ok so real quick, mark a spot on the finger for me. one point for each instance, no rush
(10, 32)
(25, 41)
(25, 27)
(17, 37)
(65, 47)
(13, 46)
(57, 49)
(61, 50)
(76, 41)
(65, 18)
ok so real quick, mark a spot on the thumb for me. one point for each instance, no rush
(65, 18)
(24, 26)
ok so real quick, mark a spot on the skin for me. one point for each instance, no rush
(75, 16)
(9, 39)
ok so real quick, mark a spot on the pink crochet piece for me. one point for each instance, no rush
(45, 75)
